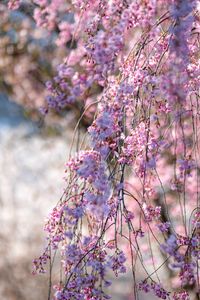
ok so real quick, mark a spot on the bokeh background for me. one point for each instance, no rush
(33, 151)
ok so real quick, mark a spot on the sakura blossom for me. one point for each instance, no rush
(132, 186)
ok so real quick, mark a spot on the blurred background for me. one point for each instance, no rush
(33, 151)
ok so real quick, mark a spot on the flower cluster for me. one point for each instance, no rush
(151, 213)
(186, 264)
(137, 144)
(14, 4)
(181, 295)
(157, 289)
(105, 131)
(164, 227)
(90, 167)
(116, 263)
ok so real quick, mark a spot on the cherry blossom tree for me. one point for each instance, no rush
(132, 187)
